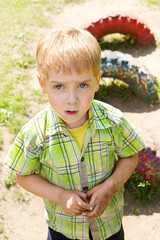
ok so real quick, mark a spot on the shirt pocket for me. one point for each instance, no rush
(61, 170)
(108, 158)
(100, 161)
(61, 159)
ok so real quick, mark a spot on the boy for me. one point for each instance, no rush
(77, 153)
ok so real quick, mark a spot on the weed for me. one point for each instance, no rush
(76, 1)
(21, 196)
(17, 30)
(2, 231)
(156, 2)
(38, 96)
(116, 40)
(1, 228)
(115, 88)
(11, 180)
(1, 166)
(2, 197)
(27, 60)
(1, 140)
(14, 58)
(157, 83)
(13, 105)
(134, 211)
(140, 188)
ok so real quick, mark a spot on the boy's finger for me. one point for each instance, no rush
(92, 202)
(79, 211)
(85, 206)
(83, 196)
(93, 213)
(89, 193)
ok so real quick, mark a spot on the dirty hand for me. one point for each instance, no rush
(99, 198)
(74, 202)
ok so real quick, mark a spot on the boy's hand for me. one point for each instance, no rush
(99, 196)
(74, 202)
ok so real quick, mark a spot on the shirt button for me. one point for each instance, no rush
(82, 159)
(85, 188)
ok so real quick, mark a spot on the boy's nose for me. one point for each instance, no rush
(72, 97)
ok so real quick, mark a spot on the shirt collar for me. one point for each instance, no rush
(100, 115)
(97, 119)
(54, 123)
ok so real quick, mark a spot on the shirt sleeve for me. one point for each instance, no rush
(22, 157)
(127, 141)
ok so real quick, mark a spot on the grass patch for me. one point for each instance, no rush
(38, 96)
(141, 189)
(19, 19)
(76, 1)
(115, 88)
(1, 140)
(15, 57)
(11, 180)
(116, 40)
(13, 105)
(3, 231)
(20, 196)
(156, 2)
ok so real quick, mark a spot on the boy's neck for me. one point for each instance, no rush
(77, 124)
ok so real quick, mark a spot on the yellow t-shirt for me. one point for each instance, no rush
(79, 134)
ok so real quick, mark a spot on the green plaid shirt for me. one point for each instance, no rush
(45, 146)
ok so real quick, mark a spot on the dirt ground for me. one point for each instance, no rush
(22, 213)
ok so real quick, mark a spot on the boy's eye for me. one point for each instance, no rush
(83, 85)
(58, 87)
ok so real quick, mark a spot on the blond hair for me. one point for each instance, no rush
(67, 50)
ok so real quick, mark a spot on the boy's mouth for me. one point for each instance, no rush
(71, 112)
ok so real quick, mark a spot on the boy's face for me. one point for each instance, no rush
(71, 95)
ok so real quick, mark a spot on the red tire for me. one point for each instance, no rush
(120, 23)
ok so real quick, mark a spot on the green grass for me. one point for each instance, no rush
(19, 21)
(38, 96)
(76, 1)
(114, 88)
(116, 40)
(20, 196)
(11, 180)
(1, 140)
(15, 57)
(156, 2)
(142, 190)
(3, 231)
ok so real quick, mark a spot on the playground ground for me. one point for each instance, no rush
(23, 219)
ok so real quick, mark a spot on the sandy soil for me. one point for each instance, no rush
(22, 213)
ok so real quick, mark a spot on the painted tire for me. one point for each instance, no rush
(149, 158)
(124, 67)
(149, 164)
(120, 23)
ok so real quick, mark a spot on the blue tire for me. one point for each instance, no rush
(124, 67)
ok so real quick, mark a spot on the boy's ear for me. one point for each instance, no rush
(42, 85)
(98, 79)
